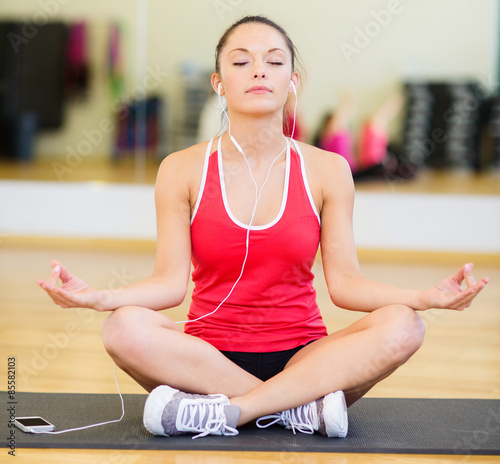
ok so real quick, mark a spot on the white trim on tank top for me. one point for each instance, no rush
(304, 177)
(224, 195)
(203, 179)
(306, 182)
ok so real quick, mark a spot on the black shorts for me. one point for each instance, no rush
(262, 365)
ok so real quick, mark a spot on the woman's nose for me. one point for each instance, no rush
(259, 71)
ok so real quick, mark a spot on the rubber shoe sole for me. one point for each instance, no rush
(153, 409)
(335, 415)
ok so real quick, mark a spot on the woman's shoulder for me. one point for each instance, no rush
(328, 175)
(186, 156)
(324, 164)
(184, 164)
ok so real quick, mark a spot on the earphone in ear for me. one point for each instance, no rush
(236, 144)
(294, 88)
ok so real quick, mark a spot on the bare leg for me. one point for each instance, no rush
(352, 360)
(154, 351)
(382, 117)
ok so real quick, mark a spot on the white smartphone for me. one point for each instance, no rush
(33, 424)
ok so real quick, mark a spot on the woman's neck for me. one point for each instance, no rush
(258, 136)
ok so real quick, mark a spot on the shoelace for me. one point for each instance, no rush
(301, 418)
(205, 417)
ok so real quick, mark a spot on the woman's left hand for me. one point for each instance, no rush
(449, 294)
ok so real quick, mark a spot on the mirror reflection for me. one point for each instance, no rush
(93, 91)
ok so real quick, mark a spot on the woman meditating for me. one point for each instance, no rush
(249, 211)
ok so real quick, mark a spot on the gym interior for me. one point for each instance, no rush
(94, 95)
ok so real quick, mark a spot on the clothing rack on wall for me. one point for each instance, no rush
(130, 134)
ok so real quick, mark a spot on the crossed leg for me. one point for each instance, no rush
(154, 351)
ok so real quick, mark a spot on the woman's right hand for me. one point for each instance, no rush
(73, 293)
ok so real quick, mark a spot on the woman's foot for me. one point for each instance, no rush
(327, 416)
(171, 412)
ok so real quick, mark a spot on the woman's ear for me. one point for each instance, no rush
(217, 84)
(295, 80)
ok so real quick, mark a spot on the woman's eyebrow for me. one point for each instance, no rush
(239, 50)
(244, 50)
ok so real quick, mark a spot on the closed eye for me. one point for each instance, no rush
(240, 63)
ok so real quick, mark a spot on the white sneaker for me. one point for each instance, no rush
(332, 411)
(171, 412)
(327, 416)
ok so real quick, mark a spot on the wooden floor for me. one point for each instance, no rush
(460, 357)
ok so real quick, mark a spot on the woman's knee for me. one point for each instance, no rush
(403, 331)
(127, 327)
(117, 327)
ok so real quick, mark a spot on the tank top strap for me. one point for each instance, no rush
(303, 175)
(203, 178)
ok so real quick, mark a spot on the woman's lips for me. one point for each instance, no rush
(259, 90)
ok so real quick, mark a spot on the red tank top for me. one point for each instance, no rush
(273, 307)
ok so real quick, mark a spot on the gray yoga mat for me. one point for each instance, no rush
(376, 425)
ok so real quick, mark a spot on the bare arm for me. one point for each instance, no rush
(347, 286)
(167, 285)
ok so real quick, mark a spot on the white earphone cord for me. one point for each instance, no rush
(92, 425)
(258, 194)
(294, 108)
